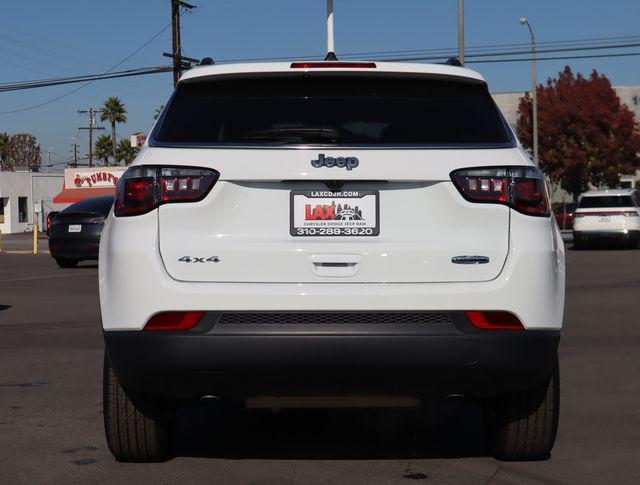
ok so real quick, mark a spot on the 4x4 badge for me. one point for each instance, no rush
(203, 259)
(341, 162)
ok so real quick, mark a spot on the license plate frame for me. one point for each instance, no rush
(74, 228)
(356, 221)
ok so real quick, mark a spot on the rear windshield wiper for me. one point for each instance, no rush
(322, 134)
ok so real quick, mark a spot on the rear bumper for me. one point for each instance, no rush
(454, 358)
(85, 248)
(606, 234)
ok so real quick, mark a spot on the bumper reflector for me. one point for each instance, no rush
(493, 320)
(174, 321)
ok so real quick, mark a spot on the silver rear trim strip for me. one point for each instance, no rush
(470, 259)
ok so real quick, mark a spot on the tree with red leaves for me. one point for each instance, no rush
(585, 134)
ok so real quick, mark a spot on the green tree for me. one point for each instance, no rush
(125, 152)
(103, 148)
(113, 111)
(158, 112)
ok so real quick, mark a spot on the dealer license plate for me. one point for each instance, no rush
(328, 213)
(75, 227)
(604, 219)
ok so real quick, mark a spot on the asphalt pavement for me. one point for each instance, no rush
(22, 242)
(51, 422)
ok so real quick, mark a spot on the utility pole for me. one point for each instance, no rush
(75, 154)
(176, 47)
(49, 158)
(92, 121)
(461, 31)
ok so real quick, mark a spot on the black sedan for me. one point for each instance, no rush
(75, 232)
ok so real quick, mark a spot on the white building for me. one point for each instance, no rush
(25, 197)
(508, 102)
(29, 196)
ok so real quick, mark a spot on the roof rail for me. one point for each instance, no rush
(453, 61)
(331, 56)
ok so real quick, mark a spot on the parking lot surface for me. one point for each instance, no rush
(51, 422)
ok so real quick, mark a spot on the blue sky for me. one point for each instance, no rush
(44, 38)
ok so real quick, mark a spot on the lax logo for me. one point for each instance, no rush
(332, 212)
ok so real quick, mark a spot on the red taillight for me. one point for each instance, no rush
(521, 188)
(143, 188)
(494, 320)
(333, 65)
(174, 321)
(609, 213)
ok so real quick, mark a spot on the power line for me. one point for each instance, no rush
(513, 53)
(154, 37)
(529, 59)
(158, 69)
(89, 77)
(449, 51)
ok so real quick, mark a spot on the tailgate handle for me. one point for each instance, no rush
(335, 265)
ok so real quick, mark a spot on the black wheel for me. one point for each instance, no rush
(526, 422)
(67, 262)
(632, 243)
(578, 243)
(137, 427)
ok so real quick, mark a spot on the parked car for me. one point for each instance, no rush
(309, 229)
(75, 232)
(564, 213)
(50, 217)
(607, 215)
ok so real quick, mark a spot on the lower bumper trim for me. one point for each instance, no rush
(186, 365)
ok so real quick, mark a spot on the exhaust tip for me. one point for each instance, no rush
(209, 399)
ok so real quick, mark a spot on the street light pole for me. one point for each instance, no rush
(534, 89)
(330, 38)
(461, 31)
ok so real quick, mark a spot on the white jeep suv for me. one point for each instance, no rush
(607, 215)
(331, 229)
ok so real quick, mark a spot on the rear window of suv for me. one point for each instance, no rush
(597, 202)
(332, 110)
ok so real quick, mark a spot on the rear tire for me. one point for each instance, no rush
(137, 427)
(67, 262)
(526, 422)
(578, 243)
(632, 243)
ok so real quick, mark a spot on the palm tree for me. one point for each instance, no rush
(126, 152)
(103, 148)
(114, 112)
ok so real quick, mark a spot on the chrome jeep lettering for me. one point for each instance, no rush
(341, 162)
